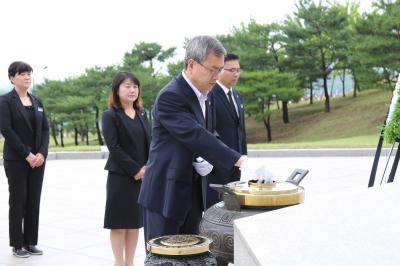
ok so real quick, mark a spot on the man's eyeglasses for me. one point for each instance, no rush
(213, 72)
(233, 70)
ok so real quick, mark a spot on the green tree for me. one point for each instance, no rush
(51, 92)
(260, 47)
(300, 58)
(260, 88)
(379, 45)
(174, 69)
(147, 53)
(95, 86)
(322, 30)
(141, 61)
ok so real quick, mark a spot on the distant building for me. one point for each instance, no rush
(334, 87)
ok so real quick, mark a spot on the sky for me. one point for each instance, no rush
(61, 38)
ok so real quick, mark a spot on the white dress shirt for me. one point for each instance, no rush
(201, 97)
(226, 90)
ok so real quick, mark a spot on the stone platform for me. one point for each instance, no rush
(341, 222)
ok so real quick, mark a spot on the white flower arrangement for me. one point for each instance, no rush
(392, 128)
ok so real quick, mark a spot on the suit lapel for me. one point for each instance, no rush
(37, 114)
(143, 120)
(239, 104)
(128, 127)
(21, 108)
(193, 101)
(219, 92)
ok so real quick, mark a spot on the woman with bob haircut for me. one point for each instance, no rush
(26, 139)
(127, 136)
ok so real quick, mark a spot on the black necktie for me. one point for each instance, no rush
(231, 104)
(208, 116)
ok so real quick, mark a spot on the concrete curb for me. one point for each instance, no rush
(357, 152)
(71, 155)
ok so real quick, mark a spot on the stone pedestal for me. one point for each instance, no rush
(204, 259)
(359, 227)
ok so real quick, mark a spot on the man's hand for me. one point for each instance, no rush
(263, 175)
(140, 174)
(202, 167)
(255, 171)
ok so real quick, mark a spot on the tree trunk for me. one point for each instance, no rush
(53, 130)
(327, 104)
(62, 135)
(343, 81)
(325, 74)
(87, 135)
(311, 93)
(267, 124)
(82, 134)
(76, 136)
(285, 112)
(267, 121)
(355, 90)
(355, 81)
(101, 143)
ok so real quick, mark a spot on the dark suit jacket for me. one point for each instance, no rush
(121, 142)
(20, 137)
(178, 136)
(230, 128)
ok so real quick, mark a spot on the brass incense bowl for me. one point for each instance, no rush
(179, 245)
(260, 195)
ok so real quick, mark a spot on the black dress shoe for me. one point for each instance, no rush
(31, 249)
(20, 253)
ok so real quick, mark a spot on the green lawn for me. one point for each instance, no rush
(368, 141)
(69, 146)
(351, 123)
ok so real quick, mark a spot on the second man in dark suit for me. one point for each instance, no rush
(229, 122)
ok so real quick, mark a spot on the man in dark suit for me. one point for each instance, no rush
(229, 122)
(182, 150)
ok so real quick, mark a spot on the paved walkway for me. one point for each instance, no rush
(73, 199)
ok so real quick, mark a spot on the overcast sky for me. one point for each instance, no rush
(60, 38)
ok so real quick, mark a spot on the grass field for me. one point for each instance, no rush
(69, 146)
(352, 122)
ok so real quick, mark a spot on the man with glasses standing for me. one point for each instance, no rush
(229, 122)
(183, 148)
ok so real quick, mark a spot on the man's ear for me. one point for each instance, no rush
(190, 64)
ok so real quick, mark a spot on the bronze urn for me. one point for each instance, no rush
(242, 199)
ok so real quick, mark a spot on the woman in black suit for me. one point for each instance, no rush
(126, 132)
(26, 133)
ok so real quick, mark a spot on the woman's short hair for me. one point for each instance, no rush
(18, 67)
(114, 100)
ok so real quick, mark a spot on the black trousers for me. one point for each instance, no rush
(156, 225)
(25, 187)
